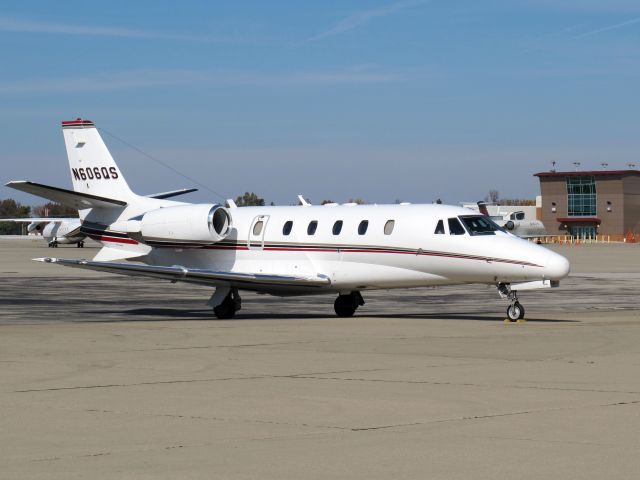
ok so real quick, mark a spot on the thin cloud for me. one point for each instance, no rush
(158, 78)
(11, 24)
(359, 19)
(607, 28)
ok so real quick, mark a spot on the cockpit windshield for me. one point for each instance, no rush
(479, 225)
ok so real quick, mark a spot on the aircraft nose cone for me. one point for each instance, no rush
(556, 267)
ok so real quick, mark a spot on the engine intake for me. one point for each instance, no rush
(201, 223)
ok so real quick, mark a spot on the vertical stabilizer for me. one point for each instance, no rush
(93, 169)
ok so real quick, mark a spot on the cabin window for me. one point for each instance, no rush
(257, 228)
(286, 229)
(337, 227)
(454, 227)
(439, 228)
(311, 229)
(388, 227)
(479, 225)
(362, 228)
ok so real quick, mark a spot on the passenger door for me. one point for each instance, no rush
(257, 231)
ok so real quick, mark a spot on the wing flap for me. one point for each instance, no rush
(66, 197)
(195, 275)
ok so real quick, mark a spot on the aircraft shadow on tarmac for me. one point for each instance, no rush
(172, 314)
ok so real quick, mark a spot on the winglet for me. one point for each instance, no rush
(303, 201)
(231, 203)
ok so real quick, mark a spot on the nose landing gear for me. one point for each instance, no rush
(515, 311)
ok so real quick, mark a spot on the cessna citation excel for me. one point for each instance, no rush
(55, 231)
(343, 250)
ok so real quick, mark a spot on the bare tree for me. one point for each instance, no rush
(492, 197)
(52, 209)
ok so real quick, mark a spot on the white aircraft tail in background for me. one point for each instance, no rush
(334, 249)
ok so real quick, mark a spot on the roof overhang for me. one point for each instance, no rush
(590, 173)
(579, 220)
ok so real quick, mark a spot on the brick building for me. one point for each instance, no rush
(603, 202)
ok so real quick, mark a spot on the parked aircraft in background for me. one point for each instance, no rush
(54, 231)
(515, 222)
(343, 250)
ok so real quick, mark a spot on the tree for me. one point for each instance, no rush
(492, 197)
(324, 202)
(54, 210)
(359, 201)
(519, 202)
(249, 200)
(9, 208)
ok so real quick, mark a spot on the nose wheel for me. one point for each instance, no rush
(515, 311)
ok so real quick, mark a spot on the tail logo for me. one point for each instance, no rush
(97, 173)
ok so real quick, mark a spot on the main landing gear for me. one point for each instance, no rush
(80, 244)
(228, 307)
(515, 311)
(53, 243)
(346, 305)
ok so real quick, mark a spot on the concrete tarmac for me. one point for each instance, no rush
(114, 377)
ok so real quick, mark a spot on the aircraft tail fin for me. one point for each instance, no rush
(93, 169)
(482, 207)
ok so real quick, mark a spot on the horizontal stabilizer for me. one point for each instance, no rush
(172, 193)
(196, 275)
(66, 197)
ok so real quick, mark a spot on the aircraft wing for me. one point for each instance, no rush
(66, 197)
(38, 220)
(177, 273)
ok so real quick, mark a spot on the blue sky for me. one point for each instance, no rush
(412, 100)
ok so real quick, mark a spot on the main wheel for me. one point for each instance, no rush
(515, 311)
(345, 305)
(226, 310)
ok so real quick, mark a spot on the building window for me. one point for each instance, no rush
(388, 227)
(311, 229)
(362, 228)
(581, 194)
(286, 229)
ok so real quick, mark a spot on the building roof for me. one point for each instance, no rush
(594, 173)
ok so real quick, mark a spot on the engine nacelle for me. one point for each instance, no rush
(35, 227)
(202, 223)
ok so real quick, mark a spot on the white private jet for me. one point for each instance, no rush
(301, 250)
(55, 231)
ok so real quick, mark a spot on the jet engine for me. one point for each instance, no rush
(35, 227)
(201, 223)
